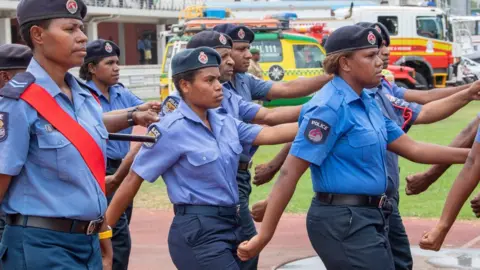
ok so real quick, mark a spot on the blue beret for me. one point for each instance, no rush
(211, 39)
(14, 56)
(237, 33)
(100, 48)
(33, 10)
(192, 59)
(380, 29)
(351, 38)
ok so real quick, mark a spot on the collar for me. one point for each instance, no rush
(112, 90)
(342, 86)
(43, 79)
(215, 116)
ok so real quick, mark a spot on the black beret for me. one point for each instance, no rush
(192, 59)
(33, 10)
(237, 33)
(211, 39)
(14, 56)
(380, 29)
(351, 38)
(100, 48)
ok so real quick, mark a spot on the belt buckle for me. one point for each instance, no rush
(93, 225)
(238, 210)
(382, 201)
(250, 164)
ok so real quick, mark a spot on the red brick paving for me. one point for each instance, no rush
(150, 230)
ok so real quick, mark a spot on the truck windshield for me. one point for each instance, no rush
(430, 27)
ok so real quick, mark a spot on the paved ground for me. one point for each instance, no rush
(150, 250)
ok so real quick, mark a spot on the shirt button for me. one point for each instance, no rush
(204, 158)
(60, 142)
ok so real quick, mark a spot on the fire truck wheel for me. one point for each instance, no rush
(421, 81)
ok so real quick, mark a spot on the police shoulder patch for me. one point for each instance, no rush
(153, 131)
(317, 131)
(169, 105)
(3, 126)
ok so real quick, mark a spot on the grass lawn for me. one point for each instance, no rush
(428, 204)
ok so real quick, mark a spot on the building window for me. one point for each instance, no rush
(308, 56)
(391, 23)
(270, 50)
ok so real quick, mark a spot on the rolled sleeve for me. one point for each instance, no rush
(133, 99)
(259, 88)
(398, 92)
(316, 135)
(247, 110)
(247, 133)
(155, 158)
(393, 130)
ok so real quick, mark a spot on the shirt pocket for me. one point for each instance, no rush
(364, 146)
(102, 131)
(202, 162)
(59, 149)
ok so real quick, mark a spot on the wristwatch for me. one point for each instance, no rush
(130, 120)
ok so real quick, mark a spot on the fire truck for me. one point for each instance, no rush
(421, 38)
(403, 76)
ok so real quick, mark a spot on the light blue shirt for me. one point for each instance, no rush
(404, 114)
(198, 166)
(120, 98)
(250, 87)
(237, 107)
(394, 89)
(344, 136)
(49, 176)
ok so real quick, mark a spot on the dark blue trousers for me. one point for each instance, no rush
(121, 241)
(27, 248)
(248, 226)
(349, 237)
(398, 239)
(205, 242)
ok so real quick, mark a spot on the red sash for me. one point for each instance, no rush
(49, 109)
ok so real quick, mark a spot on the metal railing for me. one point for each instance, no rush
(169, 5)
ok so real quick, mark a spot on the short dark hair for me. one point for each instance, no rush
(188, 76)
(25, 30)
(84, 73)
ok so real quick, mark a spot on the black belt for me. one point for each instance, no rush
(113, 163)
(352, 200)
(56, 224)
(245, 166)
(206, 210)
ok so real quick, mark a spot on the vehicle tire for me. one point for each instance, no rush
(421, 80)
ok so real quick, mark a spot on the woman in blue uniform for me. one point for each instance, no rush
(343, 137)
(197, 154)
(51, 172)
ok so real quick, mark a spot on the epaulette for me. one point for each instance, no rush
(121, 84)
(86, 87)
(335, 100)
(17, 85)
(172, 118)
